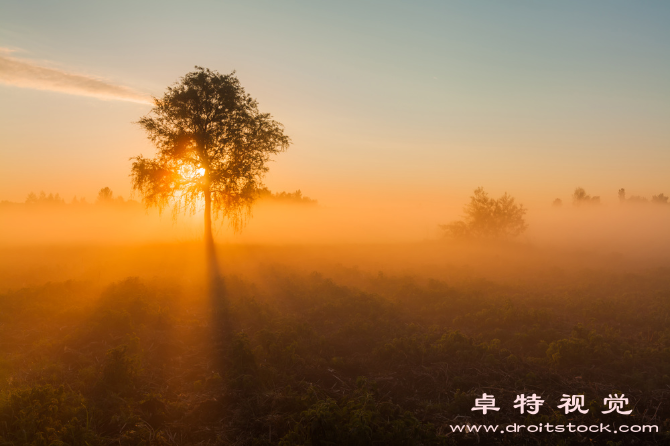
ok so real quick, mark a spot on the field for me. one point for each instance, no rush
(339, 344)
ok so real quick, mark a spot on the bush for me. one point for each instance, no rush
(486, 217)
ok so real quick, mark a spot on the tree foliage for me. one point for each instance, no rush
(487, 217)
(213, 146)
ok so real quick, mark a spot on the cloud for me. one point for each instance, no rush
(27, 74)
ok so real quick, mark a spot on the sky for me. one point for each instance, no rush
(385, 102)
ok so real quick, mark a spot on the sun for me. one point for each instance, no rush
(189, 173)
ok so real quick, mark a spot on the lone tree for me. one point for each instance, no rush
(487, 217)
(213, 148)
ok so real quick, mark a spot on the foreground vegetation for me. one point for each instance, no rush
(337, 357)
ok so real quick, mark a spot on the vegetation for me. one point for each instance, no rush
(656, 199)
(338, 357)
(486, 217)
(580, 197)
(287, 197)
(43, 198)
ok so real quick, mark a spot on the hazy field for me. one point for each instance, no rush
(333, 342)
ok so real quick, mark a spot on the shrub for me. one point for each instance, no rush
(486, 217)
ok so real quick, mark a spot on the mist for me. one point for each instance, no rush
(119, 240)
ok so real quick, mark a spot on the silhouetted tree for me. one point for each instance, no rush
(622, 195)
(580, 196)
(557, 202)
(105, 195)
(213, 147)
(659, 199)
(43, 198)
(489, 218)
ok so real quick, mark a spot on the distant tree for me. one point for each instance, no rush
(557, 202)
(637, 199)
(486, 217)
(105, 195)
(622, 195)
(43, 198)
(659, 199)
(580, 197)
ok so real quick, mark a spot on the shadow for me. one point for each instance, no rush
(218, 296)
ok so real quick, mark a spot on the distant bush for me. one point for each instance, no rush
(579, 196)
(106, 196)
(659, 199)
(486, 217)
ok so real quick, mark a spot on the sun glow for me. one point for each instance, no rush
(190, 173)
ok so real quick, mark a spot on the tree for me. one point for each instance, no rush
(580, 196)
(105, 195)
(487, 217)
(622, 195)
(213, 148)
(659, 199)
(44, 199)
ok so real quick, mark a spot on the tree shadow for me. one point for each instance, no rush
(221, 329)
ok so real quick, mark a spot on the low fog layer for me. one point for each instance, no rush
(110, 242)
(615, 227)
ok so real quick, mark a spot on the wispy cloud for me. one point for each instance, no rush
(28, 74)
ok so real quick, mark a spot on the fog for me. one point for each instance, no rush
(110, 242)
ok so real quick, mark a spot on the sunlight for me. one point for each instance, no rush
(190, 173)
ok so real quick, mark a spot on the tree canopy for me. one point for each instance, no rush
(213, 145)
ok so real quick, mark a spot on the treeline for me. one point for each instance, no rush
(580, 197)
(106, 197)
(285, 197)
